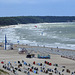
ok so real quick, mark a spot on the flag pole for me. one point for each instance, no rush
(5, 41)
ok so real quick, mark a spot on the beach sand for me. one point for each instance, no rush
(13, 55)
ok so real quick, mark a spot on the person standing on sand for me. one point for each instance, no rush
(57, 49)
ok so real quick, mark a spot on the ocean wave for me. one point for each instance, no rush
(48, 34)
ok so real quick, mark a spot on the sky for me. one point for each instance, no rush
(37, 8)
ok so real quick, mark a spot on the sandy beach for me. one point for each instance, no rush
(14, 56)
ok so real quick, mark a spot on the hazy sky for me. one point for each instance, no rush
(37, 8)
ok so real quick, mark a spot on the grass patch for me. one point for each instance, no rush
(2, 71)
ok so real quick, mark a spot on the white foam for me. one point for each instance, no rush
(37, 33)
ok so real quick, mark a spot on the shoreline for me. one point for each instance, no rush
(27, 45)
(9, 26)
(63, 49)
(47, 50)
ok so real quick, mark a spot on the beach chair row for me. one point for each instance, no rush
(21, 67)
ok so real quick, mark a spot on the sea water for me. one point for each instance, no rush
(61, 35)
